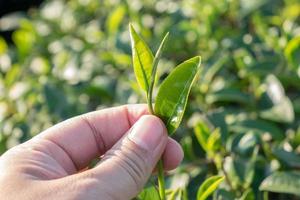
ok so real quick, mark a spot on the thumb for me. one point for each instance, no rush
(125, 168)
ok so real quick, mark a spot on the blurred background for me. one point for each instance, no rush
(61, 58)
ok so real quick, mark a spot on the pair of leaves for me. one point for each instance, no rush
(208, 187)
(173, 93)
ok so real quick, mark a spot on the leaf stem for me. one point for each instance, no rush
(153, 74)
(161, 180)
(150, 106)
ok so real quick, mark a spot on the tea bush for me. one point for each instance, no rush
(243, 116)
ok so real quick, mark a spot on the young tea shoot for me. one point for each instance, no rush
(173, 92)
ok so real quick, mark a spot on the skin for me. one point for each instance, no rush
(54, 164)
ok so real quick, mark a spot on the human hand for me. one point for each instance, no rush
(53, 165)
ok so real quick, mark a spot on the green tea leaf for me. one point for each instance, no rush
(202, 134)
(158, 55)
(142, 58)
(173, 93)
(208, 187)
(114, 19)
(229, 95)
(282, 182)
(289, 158)
(149, 193)
(214, 141)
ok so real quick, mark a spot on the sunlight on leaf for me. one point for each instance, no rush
(142, 59)
(173, 93)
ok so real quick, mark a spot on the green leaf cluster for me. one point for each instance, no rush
(173, 93)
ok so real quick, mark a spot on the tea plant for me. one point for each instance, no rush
(172, 96)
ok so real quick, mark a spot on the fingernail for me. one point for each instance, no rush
(147, 132)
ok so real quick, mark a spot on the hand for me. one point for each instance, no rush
(53, 165)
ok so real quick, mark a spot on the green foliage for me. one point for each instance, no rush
(208, 187)
(242, 119)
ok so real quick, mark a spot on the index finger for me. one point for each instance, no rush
(87, 136)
